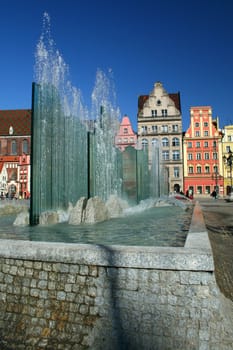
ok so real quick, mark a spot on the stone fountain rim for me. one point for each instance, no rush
(196, 255)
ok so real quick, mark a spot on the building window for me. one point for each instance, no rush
(176, 172)
(228, 149)
(175, 128)
(164, 128)
(206, 144)
(154, 113)
(214, 144)
(197, 133)
(25, 146)
(165, 155)
(215, 169)
(190, 170)
(154, 128)
(198, 145)
(207, 189)
(215, 155)
(206, 124)
(198, 156)
(175, 141)
(190, 145)
(197, 125)
(13, 147)
(199, 189)
(199, 169)
(164, 112)
(125, 130)
(206, 133)
(144, 143)
(229, 138)
(154, 142)
(207, 169)
(190, 156)
(144, 129)
(165, 142)
(175, 155)
(207, 156)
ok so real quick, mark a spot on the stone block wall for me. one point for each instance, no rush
(65, 296)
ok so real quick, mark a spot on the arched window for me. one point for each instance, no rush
(175, 141)
(13, 147)
(155, 142)
(144, 143)
(165, 142)
(25, 146)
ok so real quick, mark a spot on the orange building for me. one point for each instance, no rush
(125, 136)
(203, 171)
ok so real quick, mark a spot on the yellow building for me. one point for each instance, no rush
(227, 151)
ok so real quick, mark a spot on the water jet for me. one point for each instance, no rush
(73, 153)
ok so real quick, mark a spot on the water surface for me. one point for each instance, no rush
(160, 226)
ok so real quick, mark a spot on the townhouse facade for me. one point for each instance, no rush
(202, 150)
(15, 149)
(227, 151)
(198, 161)
(125, 136)
(159, 123)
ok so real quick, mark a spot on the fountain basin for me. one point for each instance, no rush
(143, 225)
(118, 297)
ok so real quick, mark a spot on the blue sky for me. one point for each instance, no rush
(187, 45)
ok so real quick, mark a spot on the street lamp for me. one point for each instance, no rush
(229, 160)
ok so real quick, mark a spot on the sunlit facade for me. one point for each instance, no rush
(203, 170)
(159, 122)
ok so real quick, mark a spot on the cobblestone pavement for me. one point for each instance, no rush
(218, 216)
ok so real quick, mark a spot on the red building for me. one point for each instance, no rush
(202, 153)
(15, 149)
(125, 136)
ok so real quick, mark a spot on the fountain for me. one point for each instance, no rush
(78, 177)
(73, 153)
(97, 293)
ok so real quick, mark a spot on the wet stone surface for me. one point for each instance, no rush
(218, 215)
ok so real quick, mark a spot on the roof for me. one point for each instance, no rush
(174, 96)
(6, 159)
(19, 119)
(141, 100)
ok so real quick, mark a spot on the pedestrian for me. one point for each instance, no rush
(214, 194)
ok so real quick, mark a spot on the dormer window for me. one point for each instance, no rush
(154, 113)
(11, 130)
(158, 103)
(164, 112)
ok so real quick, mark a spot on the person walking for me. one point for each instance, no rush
(214, 194)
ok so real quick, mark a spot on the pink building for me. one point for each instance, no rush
(125, 136)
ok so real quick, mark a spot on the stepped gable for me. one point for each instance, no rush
(19, 119)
